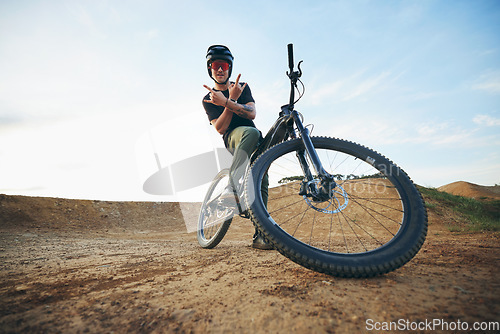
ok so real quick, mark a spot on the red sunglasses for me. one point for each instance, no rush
(220, 64)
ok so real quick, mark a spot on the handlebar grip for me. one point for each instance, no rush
(290, 57)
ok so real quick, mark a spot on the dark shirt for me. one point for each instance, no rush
(214, 112)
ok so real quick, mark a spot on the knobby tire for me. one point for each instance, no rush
(375, 224)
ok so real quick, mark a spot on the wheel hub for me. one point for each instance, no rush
(337, 202)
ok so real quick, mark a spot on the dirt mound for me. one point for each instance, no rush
(467, 189)
(89, 215)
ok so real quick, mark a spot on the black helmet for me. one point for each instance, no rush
(219, 52)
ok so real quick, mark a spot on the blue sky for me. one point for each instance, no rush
(90, 90)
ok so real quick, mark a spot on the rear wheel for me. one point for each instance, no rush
(215, 215)
(373, 222)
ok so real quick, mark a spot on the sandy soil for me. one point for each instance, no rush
(72, 266)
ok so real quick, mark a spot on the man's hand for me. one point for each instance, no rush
(235, 89)
(216, 97)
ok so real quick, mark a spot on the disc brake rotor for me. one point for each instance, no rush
(335, 204)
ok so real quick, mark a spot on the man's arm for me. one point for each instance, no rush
(246, 110)
(222, 123)
(243, 110)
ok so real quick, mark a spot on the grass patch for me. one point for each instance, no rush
(464, 213)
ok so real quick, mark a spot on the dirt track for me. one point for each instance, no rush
(88, 266)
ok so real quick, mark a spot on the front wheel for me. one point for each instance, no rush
(373, 222)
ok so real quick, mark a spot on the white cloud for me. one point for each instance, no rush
(368, 85)
(353, 87)
(447, 134)
(152, 34)
(376, 132)
(488, 52)
(486, 120)
(84, 17)
(489, 82)
(440, 133)
(328, 90)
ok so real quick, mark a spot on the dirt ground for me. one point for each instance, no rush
(71, 266)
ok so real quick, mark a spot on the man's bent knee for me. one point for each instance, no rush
(250, 136)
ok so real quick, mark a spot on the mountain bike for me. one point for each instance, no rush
(334, 206)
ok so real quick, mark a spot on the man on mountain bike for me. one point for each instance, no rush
(230, 108)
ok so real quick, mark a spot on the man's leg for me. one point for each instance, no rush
(264, 189)
(242, 142)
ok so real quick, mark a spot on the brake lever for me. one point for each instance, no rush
(295, 74)
(300, 70)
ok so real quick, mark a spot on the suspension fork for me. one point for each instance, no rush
(309, 147)
(326, 184)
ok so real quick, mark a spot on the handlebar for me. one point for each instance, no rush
(290, 57)
(294, 76)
